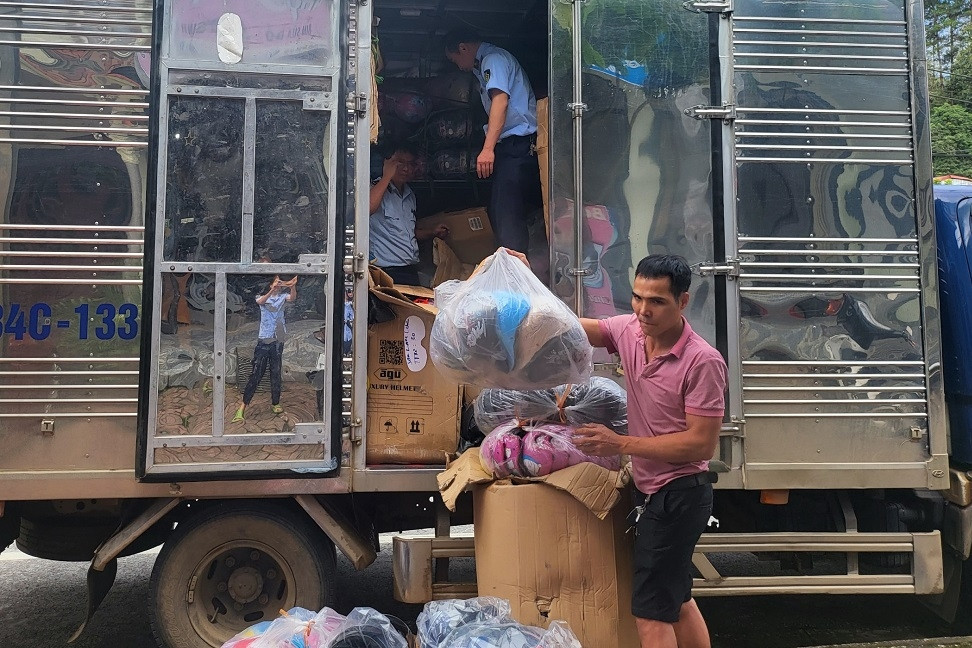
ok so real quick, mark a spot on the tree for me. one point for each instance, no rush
(951, 136)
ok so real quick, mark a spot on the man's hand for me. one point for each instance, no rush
(440, 231)
(519, 255)
(485, 162)
(597, 440)
(390, 168)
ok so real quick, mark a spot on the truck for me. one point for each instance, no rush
(164, 162)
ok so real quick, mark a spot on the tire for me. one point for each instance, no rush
(233, 565)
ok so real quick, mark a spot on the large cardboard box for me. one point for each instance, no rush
(544, 550)
(470, 234)
(413, 411)
(554, 546)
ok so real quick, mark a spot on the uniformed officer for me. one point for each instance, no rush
(394, 237)
(509, 152)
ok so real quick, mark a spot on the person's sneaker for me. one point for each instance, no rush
(276, 409)
(239, 416)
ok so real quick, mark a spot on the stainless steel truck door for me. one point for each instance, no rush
(630, 174)
(833, 251)
(247, 299)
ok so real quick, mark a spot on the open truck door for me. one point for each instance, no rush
(247, 191)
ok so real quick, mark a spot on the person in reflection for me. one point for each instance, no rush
(270, 341)
(394, 235)
(676, 400)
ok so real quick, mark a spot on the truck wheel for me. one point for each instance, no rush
(233, 565)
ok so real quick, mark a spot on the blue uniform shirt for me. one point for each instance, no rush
(498, 69)
(272, 326)
(392, 240)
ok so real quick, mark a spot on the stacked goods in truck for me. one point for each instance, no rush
(504, 328)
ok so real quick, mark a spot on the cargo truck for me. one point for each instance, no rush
(163, 161)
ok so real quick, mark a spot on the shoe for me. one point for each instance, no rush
(276, 409)
(239, 416)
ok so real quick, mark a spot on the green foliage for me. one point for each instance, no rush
(951, 135)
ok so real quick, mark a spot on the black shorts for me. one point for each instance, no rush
(667, 531)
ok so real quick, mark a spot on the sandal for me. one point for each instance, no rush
(239, 416)
(276, 409)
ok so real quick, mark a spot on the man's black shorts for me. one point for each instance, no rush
(667, 531)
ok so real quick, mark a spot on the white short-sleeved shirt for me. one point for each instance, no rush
(392, 241)
(497, 69)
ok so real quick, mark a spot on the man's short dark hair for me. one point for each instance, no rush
(401, 147)
(460, 35)
(659, 266)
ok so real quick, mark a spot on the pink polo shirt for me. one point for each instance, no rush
(691, 378)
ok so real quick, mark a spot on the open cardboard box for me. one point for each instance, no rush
(413, 411)
(554, 546)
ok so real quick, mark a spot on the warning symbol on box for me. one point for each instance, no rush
(416, 426)
(389, 425)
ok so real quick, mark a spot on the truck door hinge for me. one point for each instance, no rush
(361, 105)
(725, 112)
(723, 7)
(355, 265)
(730, 268)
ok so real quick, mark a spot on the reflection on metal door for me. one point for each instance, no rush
(838, 326)
(245, 242)
(630, 173)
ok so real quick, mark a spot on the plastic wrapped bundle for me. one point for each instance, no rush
(503, 328)
(439, 619)
(600, 400)
(365, 628)
(491, 634)
(514, 451)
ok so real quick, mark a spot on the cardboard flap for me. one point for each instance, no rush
(460, 475)
(382, 287)
(593, 486)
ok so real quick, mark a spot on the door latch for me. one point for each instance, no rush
(725, 112)
(730, 268)
(723, 7)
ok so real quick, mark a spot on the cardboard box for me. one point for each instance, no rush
(470, 233)
(413, 411)
(540, 546)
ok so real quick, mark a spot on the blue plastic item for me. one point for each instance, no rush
(953, 204)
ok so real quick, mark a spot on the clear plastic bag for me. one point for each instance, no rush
(512, 450)
(503, 328)
(600, 400)
(300, 628)
(558, 635)
(492, 634)
(365, 628)
(439, 619)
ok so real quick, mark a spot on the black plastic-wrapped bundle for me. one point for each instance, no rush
(600, 400)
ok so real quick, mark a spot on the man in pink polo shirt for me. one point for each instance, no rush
(676, 387)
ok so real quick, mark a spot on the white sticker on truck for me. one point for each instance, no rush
(229, 38)
(416, 356)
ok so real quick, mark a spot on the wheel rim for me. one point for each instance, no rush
(235, 586)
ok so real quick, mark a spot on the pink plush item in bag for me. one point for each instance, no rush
(502, 449)
(548, 448)
(512, 450)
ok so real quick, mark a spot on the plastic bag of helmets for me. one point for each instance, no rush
(503, 328)
(485, 622)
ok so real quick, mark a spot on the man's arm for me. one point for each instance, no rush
(379, 188)
(696, 443)
(497, 117)
(593, 329)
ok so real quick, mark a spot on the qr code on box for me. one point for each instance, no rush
(391, 352)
